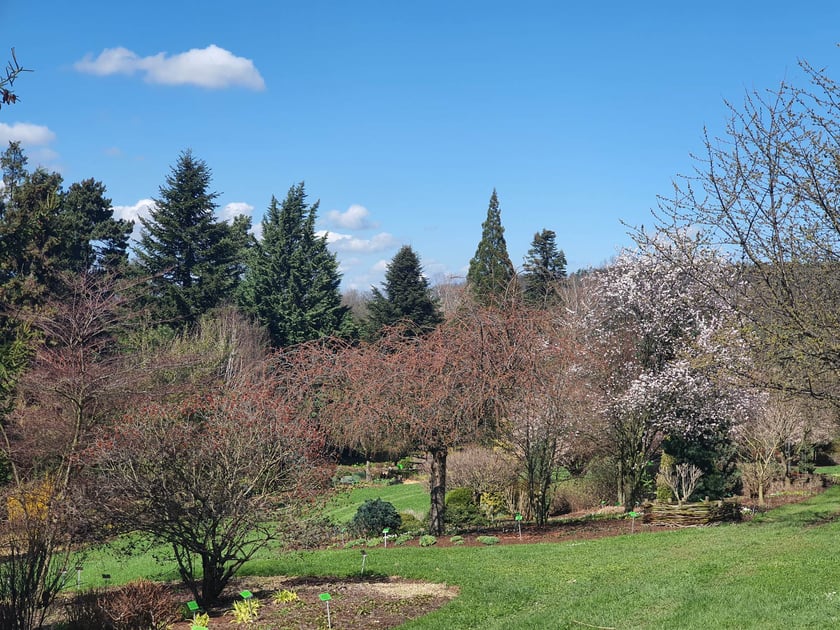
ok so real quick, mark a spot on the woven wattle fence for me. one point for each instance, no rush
(691, 513)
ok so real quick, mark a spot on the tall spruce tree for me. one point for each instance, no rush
(406, 296)
(292, 281)
(491, 271)
(544, 266)
(192, 258)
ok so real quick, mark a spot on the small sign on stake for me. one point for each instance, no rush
(246, 594)
(385, 534)
(518, 519)
(326, 597)
(633, 516)
(364, 558)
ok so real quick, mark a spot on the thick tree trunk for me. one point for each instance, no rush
(437, 487)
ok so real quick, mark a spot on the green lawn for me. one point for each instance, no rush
(828, 470)
(404, 496)
(780, 571)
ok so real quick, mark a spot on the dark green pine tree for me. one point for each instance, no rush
(193, 259)
(292, 281)
(406, 296)
(95, 240)
(491, 271)
(544, 267)
(45, 230)
(31, 239)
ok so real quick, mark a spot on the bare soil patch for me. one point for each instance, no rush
(356, 604)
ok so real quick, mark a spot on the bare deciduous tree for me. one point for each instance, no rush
(76, 379)
(207, 476)
(765, 196)
(681, 479)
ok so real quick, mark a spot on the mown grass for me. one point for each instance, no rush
(405, 496)
(779, 571)
(828, 470)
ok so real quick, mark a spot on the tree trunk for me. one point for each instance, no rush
(437, 487)
(761, 493)
(621, 485)
(212, 581)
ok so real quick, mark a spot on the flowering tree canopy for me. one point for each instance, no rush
(660, 347)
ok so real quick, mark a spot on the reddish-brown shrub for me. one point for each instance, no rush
(141, 605)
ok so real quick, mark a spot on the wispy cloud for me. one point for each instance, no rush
(349, 243)
(356, 217)
(26, 133)
(380, 266)
(212, 67)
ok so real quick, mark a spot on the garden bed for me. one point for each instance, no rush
(355, 604)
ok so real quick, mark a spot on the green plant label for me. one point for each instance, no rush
(386, 530)
(518, 517)
(246, 594)
(633, 514)
(325, 597)
(192, 606)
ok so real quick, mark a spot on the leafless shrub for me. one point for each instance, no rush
(682, 480)
(141, 604)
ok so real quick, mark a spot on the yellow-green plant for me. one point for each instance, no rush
(245, 611)
(201, 620)
(284, 597)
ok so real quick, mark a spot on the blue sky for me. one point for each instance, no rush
(403, 117)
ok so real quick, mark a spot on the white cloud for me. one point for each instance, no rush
(233, 210)
(348, 243)
(26, 133)
(142, 208)
(211, 67)
(354, 218)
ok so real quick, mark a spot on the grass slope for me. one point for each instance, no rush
(404, 496)
(779, 571)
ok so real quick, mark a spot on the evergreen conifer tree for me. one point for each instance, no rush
(406, 296)
(192, 258)
(491, 271)
(544, 266)
(292, 281)
(95, 240)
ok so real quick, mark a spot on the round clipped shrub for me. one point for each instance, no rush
(373, 516)
(461, 509)
(410, 523)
